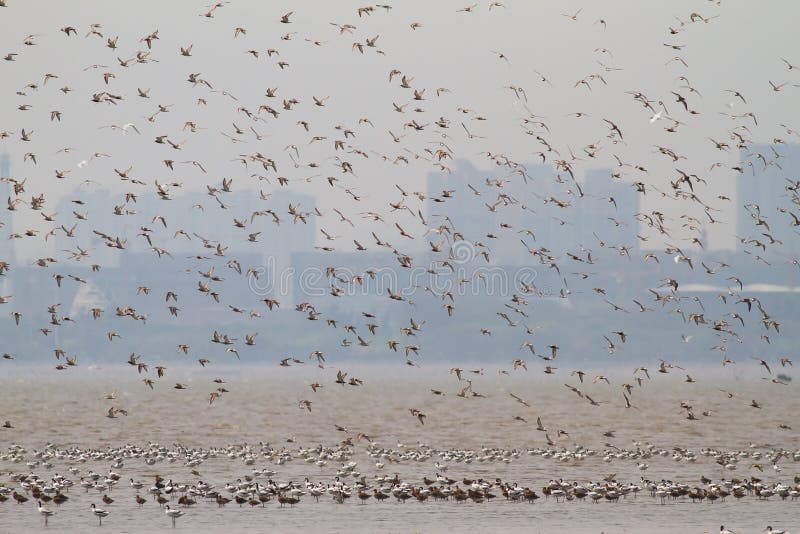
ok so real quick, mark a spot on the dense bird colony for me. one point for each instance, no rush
(155, 103)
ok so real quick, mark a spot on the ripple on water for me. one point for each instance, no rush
(261, 408)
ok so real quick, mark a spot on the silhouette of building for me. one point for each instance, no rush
(611, 210)
(196, 214)
(475, 215)
(550, 207)
(448, 196)
(6, 245)
(97, 209)
(761, 188)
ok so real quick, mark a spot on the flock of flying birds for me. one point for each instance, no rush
(332, 154)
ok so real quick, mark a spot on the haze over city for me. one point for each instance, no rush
(500, 254)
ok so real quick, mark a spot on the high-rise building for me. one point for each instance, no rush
(466, 213)
(611, 211)
(537, 208)
(6, 245)
(95, 214)
(476, 215)
(765, 172)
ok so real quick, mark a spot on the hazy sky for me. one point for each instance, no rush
(741, 48)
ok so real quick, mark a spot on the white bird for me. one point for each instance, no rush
(129, 125)
(655, 117)
(173, 514)
(99, 513)
(45, 512)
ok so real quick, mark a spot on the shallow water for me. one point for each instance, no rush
(67, 410)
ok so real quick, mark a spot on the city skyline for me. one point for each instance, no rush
(749, 185)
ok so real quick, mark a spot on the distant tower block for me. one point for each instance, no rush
(761, 191)
(6, 245)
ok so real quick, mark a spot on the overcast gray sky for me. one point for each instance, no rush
(740, 48)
